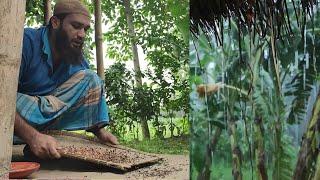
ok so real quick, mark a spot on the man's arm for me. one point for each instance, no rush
(43, 146)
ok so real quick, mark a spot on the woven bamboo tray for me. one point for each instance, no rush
(81, 147)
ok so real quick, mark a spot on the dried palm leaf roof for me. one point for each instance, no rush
(261, 16)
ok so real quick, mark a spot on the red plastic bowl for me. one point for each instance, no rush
(22, 169)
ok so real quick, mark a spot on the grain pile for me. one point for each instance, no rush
(87, 149)
(105, 154)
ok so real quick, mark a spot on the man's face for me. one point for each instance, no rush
(70, 37)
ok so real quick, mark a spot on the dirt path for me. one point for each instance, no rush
(172, 167)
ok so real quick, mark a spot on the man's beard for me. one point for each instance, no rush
(68, 54)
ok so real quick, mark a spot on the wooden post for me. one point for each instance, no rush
(98, 38)
(47, 11)
(11, 32)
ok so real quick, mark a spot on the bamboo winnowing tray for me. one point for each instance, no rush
(86, 148)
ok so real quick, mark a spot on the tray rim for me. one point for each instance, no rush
(124, 167)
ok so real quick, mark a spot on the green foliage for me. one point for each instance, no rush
(250, 90)
(34, 12)
(118, 84)
(160, 40)
(159, 28)
(169, 145)
(180, 12)
(283, 168)
(130, 104)
(166, 53)
(174, 145)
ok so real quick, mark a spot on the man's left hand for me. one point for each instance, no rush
(106, 137)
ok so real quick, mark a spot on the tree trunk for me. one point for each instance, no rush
(308, 151)
(236, 152)
(260, 153)
(136, 65)
(47, 11)
(98, 38)
(171, 124)
(215, 139)
(145, 128)
(277, 154)
(206, 171)
(132, 34)
(11, 31)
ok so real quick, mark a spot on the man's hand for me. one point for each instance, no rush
(44, 146)
(106, 137)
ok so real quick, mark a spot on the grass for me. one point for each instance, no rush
(225, 172)
(136, 133)
(169, 145)
(174, 145)
(222, 171)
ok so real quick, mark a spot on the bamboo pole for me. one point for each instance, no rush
(98, 38)
(236, 152)
(47, 11)
(260, 153)
(12, 14)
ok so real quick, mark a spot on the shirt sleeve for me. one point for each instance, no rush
(85, 63)
(26, 56)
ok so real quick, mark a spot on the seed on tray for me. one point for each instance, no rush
(104, 154)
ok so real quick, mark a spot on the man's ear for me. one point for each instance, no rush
(55, 21)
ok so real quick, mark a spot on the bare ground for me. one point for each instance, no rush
(172, 167)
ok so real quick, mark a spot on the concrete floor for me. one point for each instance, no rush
(172, 167)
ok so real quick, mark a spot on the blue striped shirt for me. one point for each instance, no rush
(36, 70)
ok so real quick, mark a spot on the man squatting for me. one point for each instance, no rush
(57, 90)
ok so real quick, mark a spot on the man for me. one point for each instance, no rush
(56, 88)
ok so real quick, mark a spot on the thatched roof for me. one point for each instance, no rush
(261, 16)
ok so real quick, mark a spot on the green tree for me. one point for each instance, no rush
(155, 30)
(160, 29)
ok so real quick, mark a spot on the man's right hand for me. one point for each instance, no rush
(41, 145)
(44, 146)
